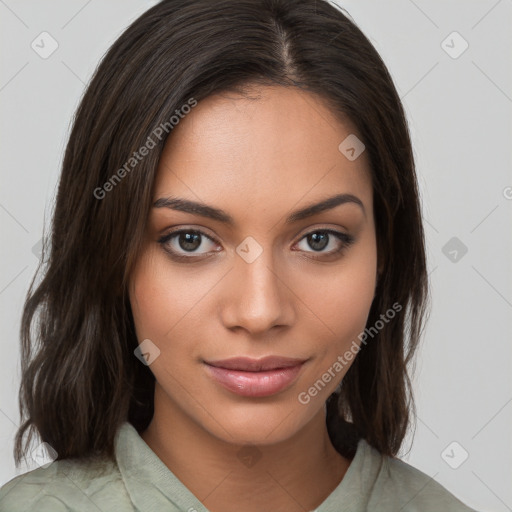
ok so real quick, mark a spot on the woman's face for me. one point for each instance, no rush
(266, 283)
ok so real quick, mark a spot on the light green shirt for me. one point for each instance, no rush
(140, 481)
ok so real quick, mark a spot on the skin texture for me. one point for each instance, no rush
(258, 159)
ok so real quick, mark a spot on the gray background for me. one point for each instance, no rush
(459, 111)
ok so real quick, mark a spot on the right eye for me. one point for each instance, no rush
(186, 240)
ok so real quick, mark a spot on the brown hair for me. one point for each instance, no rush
(80, 377)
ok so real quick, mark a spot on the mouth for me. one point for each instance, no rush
(255, 377)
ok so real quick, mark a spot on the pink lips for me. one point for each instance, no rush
(255, 377)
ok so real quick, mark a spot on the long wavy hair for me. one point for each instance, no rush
(80, 378)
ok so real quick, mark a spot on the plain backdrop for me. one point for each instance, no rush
(451, 63)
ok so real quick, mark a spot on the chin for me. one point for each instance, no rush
(259, 424)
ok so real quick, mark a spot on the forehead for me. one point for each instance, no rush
(277, 143)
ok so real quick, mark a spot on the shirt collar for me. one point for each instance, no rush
(151, 485)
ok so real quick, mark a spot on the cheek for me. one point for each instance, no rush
(341, 302)
(157, 308)
(162, 307)
(161, 297)
(341, 297)
(168, 306)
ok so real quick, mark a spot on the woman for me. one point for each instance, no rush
(236, 281)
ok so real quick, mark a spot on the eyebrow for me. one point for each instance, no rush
(188, 206)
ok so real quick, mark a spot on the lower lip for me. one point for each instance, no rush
(255, 384)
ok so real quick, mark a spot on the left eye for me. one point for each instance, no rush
(320, 239)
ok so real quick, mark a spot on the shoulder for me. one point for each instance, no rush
(67, 485)
(398, 485)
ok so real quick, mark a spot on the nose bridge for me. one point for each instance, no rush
(258, 299)
(255, 267)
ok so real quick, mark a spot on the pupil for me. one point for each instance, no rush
(190, 241)
(315, 237)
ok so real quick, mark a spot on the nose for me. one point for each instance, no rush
(257, 297)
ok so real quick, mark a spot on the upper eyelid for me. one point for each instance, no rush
(169, 234)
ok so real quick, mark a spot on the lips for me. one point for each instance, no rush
(255, 377)
(246, 364)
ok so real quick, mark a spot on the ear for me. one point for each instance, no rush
(380, 267)
(380, 270)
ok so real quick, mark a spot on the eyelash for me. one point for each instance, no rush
(347, 241)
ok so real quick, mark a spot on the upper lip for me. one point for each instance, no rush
(256, 365)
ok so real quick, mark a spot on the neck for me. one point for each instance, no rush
(293, 475)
